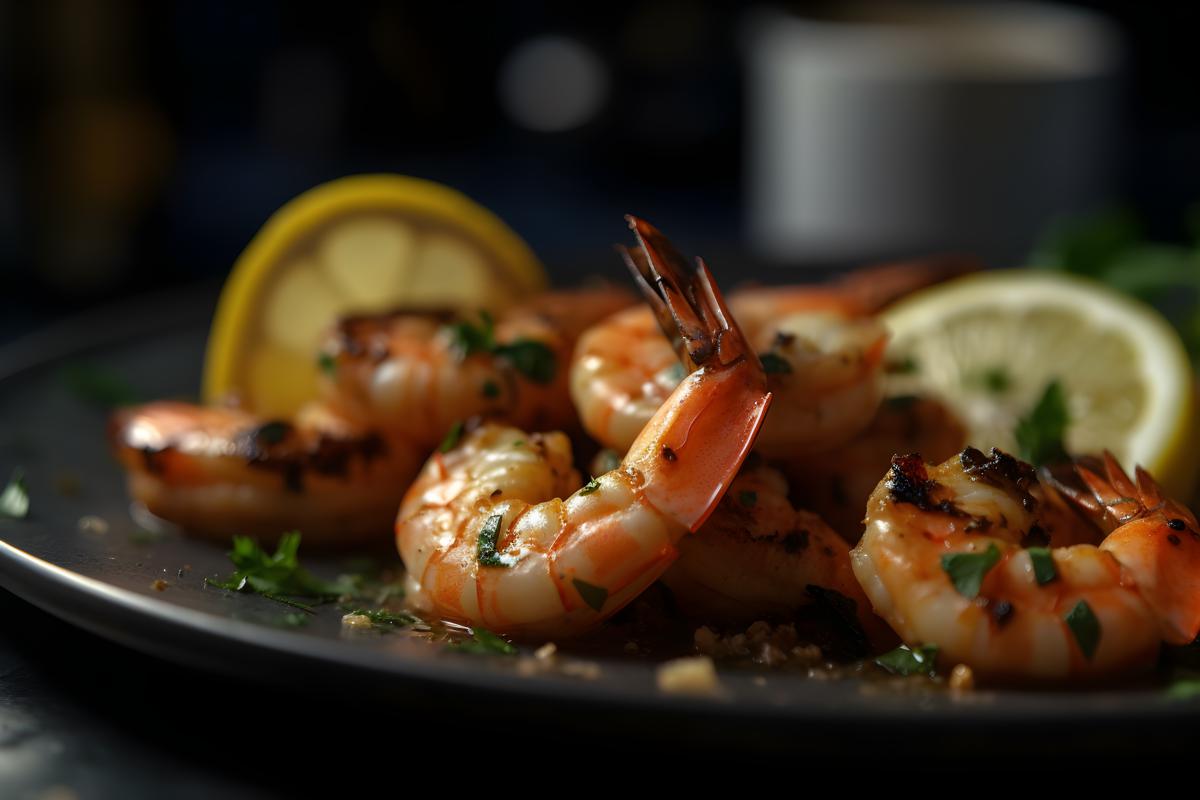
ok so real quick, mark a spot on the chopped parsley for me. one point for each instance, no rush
(748, 499)
(905, 366)
(594, 596)
(1186, 688)
(277, 576)
(99, 387)
(491, 389)
(591, 486)
(272, 432)
(452, 437)
(485, 547)
(774, 364)
(14, 500)
(995, 380)
(327, 362)
(907, 661)
(531, 358)
(1043, 565)
(379, 616)
(483, 642)
(1040, 434)
(966, 570)
(1086, 628)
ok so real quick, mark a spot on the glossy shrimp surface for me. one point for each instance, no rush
(759, 557)
(394, 385)
(823, 357)
(977, 557)
(415, 375)
(486, 538)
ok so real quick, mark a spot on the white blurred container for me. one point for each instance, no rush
(898, 128)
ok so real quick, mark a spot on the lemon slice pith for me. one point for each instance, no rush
(989, 344)
(355, 245)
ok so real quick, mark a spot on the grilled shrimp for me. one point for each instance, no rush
(757, 557)
(822, 354)
(394, 385)
(485, 539)
(413, 376)
(976, 556)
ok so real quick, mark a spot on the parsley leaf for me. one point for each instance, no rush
(905, 366)
(469, 339)
(906, 661)
(966, 570)
(1040, 434)
(532, 359)
(1086, 628)
(277, 576)
(327, 363)
(595, 596)
(485, 546)
(99, 387)
(14, 500)
(1043, 564)
(452, 437)
(589, 487)
(483, 642)
(379, 616)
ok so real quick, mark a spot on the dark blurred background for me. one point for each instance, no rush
(143, 144)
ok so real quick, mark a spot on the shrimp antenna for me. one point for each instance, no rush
(684, 298)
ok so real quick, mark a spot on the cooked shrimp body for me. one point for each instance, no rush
(217, 470)
(414, 375)
(959, 555)
(823, 357)
(757, 557)
(394, 385)
(486, 539)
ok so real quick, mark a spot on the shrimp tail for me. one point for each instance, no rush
(725, 398)
(1113, 499)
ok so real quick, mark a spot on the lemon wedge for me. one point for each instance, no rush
(356, 245)
(989, 345)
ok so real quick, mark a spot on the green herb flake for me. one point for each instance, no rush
(1040, 434)
(491, 389)
(99, 387)
(14, 500)
(272, 432)
(1184, 688)
(1043, 565)
(966, 570)
(383, 617)
(532, 359)
(905, 366)
(468, 339)
(594, 596)
(277, 576)
(452, 437)
(485, 547)
(995, 380)
(518, 443)
(1086, 628)
(775, 364)
(294, 620)
(591, 486)
(908, 661)
(327, 363)
(483, 642)
(748, 499)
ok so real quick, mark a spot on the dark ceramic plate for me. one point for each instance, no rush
(104, 581)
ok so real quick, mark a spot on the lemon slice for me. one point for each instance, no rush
(989, 344)
(356, 245)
